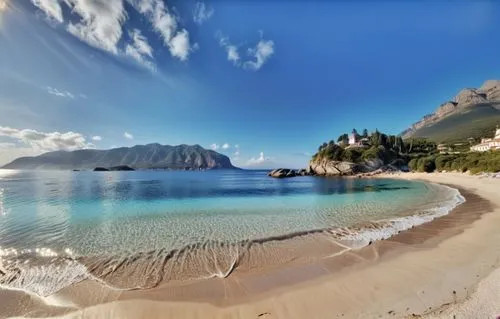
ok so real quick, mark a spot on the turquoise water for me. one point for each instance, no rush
(97, 214)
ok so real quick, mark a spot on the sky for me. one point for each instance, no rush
(264, 82)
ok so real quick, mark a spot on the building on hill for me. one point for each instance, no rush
(443, 148)
(353, 138)
(356, 141)
(488, 143)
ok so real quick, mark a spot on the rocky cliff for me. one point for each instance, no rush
(488, 93)
(151, 156)
(326, 167)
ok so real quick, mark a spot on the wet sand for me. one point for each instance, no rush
(415, 272)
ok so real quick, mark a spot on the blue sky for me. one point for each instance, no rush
(264, 82)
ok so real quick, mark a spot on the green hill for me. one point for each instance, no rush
(473, 122)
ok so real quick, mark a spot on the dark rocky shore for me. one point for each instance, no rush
(338, 168)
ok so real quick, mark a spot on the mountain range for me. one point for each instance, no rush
(473, 113)
(150, 156)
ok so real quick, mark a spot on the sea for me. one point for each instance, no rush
(133, 230)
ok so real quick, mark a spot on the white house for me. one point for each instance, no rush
(488, 143)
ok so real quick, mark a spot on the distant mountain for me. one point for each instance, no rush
(148, 156)
(473, 113)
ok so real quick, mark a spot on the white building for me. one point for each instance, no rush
(353, 139)
(488, 143)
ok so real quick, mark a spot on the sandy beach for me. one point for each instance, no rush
(447, 268)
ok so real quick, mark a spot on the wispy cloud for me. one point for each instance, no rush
(128, 136)
(52, 9)
(96, 138)
(140, 50)
(41, 141)
(224, 146)
(260, 54)
(56, 92)
(64, 94)
(202, 13)
(232, 50)
(165, 24)
(100, 23)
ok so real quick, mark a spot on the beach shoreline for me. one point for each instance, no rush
(352, 284)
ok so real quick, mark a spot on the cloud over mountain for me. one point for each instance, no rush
(42, 141)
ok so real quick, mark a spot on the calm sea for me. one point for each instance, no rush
(55, 226)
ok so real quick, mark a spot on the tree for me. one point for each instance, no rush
(365, 133)
(344, 138)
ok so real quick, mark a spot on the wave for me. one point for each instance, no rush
(44, 271)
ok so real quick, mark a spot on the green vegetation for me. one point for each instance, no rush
(474, 123)
(375, 146)
(419, 154)
(474, 162)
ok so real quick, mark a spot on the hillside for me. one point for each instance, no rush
(479, 121)
(140, 156)
(472, 113)
(370, 152)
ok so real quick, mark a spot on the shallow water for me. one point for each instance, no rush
(57, 228)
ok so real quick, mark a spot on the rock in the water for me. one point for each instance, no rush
(101, 169)
(302, 172)
(282, 172)
(121, 168)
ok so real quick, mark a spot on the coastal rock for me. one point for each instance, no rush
(302, 172)
(282, 173)
(333, 168)
(101, 169)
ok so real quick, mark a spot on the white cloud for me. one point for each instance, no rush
(100, 22)
(260, 161)
(165, 23)
(232, 50)
(202, 13)
(56, 92)
(41, 141)
(225, 146)
(262, 52)
(179, 45)
(128, 136)
(52, 9)
(96, 138)
(140, 50)
(214, 146)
